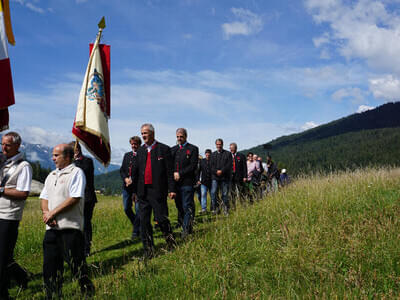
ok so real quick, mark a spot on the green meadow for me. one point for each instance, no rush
(325, 236)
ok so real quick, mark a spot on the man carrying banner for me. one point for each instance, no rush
(86, 164)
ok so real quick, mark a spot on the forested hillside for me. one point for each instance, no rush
(371, 138)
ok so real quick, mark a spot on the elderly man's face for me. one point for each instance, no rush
(147, 135)
(8, 146)
(180, 138)
(134, 145)
(232, 147)
(58, 158)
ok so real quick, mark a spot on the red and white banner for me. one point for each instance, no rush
(6, 85)
(93, 111)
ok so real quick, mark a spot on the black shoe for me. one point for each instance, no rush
(148, 253)
(171, 242)
(87, 288)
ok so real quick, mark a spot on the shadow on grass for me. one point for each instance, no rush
(117, 246)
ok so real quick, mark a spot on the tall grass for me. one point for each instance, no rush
(335, 236)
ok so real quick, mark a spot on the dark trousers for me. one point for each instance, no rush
(87, 225)
(185, 195)
(237, 191)
(153, 201)
(179, 207)
(8, 239)
(60, 245)
(128, 204)
(216, 186)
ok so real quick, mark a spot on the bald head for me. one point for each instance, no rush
(63, 155)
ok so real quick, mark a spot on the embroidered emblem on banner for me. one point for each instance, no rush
(96, 90)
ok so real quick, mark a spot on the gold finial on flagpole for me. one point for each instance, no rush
(102, 23)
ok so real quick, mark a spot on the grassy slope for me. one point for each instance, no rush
(321, 237)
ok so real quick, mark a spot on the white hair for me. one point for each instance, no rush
(149, 126)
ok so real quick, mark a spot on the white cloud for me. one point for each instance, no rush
(354, 94)
(248, 23)
(37, 135)
(364, 29)
(30, 5)
(363, 108)
(386, 88)
(308, 125)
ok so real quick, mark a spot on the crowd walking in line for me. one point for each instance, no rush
(150, 173)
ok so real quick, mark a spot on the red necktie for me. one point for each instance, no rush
(148, 175)
(180, 147)
(234, 163)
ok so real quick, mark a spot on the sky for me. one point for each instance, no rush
(247, 71)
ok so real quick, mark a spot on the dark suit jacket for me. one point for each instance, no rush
(185, 163)
(162, 170)
(221, 161)
(127, 168)
(205, 172)
(241, 168)
(86, 164)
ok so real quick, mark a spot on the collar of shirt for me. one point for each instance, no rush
(14, 158)
(58, 171)
(149, 148)
(184, 145)
(133, 153)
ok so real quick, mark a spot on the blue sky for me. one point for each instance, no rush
(244, 70)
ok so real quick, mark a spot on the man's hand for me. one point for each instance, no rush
(128, 181)
(219, 172)
(172, 195)
(176, 176)
(48, 218)
(244, 179)
(199, 182)
(134, 198)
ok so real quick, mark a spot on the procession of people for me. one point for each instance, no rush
(151, 173)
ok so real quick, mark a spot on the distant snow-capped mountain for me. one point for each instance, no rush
(42, 154)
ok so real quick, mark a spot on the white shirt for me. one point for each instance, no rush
(24, 178)
(76, 188)
(149, 148)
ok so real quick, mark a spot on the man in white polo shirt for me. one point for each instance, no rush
(15, 184)
(62, 206)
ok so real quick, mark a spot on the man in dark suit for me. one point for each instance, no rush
(221, 168)
(128, 197)
(204, 179)
(239, 173)
(86, 164)
(153, 180)
(185, 157)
